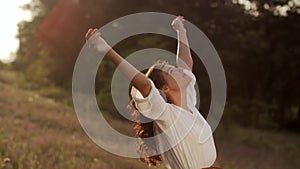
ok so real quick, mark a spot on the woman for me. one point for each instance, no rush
(184, 139)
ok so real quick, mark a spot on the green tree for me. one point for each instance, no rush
(258, 48)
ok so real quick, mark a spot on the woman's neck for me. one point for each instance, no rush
(178, 98)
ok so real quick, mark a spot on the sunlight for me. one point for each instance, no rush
(249, 6)
(11, 14)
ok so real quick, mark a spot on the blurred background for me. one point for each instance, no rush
(257, 41)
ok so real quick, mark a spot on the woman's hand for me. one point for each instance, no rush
(183, 57)
(94, 39)
(177, 24)
(89, 33)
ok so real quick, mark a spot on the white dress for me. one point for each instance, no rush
(187, 141)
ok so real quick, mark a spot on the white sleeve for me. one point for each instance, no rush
(151, 106)
(191, 91)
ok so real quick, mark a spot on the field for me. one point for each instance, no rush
(39, 132)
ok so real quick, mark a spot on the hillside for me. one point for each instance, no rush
(39, 132)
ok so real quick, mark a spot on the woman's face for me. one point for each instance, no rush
(175, 77)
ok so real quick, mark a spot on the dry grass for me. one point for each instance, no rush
(252, 148)
(38, 132)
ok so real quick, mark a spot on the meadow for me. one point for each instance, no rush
(38, 132)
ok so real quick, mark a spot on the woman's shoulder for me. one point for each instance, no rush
(190, 74)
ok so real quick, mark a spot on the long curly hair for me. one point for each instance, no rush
(144, 130)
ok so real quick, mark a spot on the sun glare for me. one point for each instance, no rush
(11, 14)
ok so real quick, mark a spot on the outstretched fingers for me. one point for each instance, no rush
(177, 23)
(90, 33)
(181, 18)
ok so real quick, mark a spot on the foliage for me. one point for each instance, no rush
(3, 65)
(259, 50)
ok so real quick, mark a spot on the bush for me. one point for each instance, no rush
(53, 92)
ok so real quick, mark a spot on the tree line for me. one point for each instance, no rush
(258, 46)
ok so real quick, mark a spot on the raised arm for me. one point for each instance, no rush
(139, 80)
(183, 58)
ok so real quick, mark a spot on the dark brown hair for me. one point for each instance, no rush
(144, 130)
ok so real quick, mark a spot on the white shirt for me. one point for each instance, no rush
(187, 141)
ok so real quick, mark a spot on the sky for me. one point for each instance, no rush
(10, 15)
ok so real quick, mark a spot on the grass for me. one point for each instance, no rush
(252, 148)
(39, 132)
